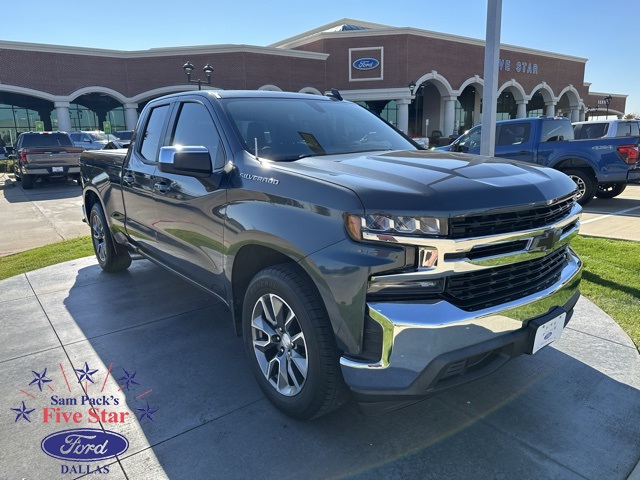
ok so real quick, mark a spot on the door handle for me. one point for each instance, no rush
(128, 179)
(162, 187)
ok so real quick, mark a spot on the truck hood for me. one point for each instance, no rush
(436, 183)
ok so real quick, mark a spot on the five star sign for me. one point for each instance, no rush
(86, 373)
(40, 378)
(147, 412)
(128, 379)
(24, 413)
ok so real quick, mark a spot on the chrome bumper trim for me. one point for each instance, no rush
(416, 333)
(46, 171)
(535, 248)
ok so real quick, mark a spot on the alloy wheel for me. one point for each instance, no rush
(99, 241)
(279, 344)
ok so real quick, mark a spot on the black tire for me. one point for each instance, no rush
(312, 383)
(27, 182)
(110, 257)
(610, 190)
(586, 183)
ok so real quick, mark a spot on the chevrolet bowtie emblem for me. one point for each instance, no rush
(547, 240)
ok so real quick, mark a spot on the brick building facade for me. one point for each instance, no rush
(422, 81)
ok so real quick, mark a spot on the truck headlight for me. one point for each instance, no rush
(383, 227)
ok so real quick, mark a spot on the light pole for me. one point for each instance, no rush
(607, 101)
(412, 86)
(188, 68)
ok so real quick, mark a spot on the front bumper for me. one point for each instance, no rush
(433, 345)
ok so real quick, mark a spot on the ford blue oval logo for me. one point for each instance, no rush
(365, 64)
(84, 445)
(547, 335)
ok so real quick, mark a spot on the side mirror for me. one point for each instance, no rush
(190, 161)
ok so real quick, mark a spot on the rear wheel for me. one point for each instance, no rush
(290, 344)
(610, 190)
(110, 257)
(585, 182)
(27, 182)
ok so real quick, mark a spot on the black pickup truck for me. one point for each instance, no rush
(353, 262)
(42, 155)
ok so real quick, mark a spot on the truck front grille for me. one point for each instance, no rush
(494, 224)
(494, 286)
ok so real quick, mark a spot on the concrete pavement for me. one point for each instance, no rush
(165, 357)
(48, 213)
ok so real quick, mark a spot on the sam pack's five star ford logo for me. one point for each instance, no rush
(55, 397)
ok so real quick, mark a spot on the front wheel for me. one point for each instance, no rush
(610, 190)
(290, 343)
(110, 257)
(585, 182)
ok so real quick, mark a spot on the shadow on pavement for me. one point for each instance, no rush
(200, 414)
(50, 189)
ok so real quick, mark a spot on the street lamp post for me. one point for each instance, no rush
(412, 86)
(607, 101)
(208, 70)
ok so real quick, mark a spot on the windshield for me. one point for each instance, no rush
(101, 137)
(284, 129)
(46, 140)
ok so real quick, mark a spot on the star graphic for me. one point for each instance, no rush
(147, 412)
(23, 413)
(128, 379)
(40, 378)
(86, 373)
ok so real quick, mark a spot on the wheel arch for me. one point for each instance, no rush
(575, 162)
(90, 198)
(248, 261)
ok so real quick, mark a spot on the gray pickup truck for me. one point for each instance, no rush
(352, 262)
(41, 155)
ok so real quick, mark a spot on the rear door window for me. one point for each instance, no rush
(152, 134)
(556, 130)
(514, 134)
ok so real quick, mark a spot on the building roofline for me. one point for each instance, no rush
(285, 42)
(385, 30)
(160, 52)
(603, 94)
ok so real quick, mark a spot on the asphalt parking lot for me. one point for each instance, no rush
(162, 364)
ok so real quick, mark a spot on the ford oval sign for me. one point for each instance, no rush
(84, 445)
(366, 64)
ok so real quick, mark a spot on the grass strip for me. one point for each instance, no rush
(33, 259)
(611, 279)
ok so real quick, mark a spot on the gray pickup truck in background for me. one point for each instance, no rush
(352, 262)
(41, 155)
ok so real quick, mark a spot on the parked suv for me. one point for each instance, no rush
(606, 128)
(45, 154)
(91, 140)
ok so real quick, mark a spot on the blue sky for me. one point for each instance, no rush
(603, 32)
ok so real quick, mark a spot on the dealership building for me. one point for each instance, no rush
(421, 81)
